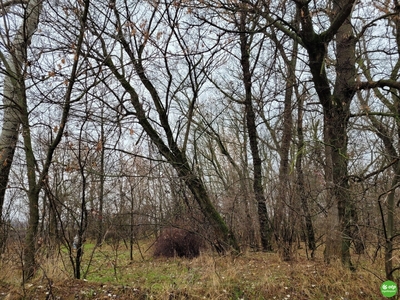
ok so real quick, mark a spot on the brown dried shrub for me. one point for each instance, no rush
(177, 242)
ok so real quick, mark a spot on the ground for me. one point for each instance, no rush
(109, 274)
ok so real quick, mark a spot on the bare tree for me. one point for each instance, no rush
(16, 64)
(36, 182)
(385, 124)
(300, 180)
(138, 39)
(245, 48)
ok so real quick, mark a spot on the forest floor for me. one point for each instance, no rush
(110, 274)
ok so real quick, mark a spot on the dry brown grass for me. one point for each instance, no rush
(249, 276)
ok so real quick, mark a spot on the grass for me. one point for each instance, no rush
(253, 275)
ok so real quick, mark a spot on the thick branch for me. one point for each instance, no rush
(383, 83)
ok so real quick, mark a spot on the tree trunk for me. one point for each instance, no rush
(83, 217)
(285, 217)
(14, 92)
(54, 217)
(336, 105)
(15, 101)
(265, 224)
(33, 197)
(102, 179)
(337, 117)
(9, 134)
(390, 233)
(310, 235)
(35, 185)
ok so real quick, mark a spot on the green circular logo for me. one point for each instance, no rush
(388, 289)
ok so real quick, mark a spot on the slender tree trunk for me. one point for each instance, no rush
(102, 179)
(245, 185)
(35, 185)
(83, 217)
(14, 93)
(54, 235)
(285, 216)
(132, 222)
(14, 116)
(9, 137)
(310, 235)
(33, 197)
(265, 224)
(390, 233)
(389, 145)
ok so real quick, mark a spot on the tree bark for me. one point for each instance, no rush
(310, 235)
(265, 224)
(337, 119)
(14, 92)
(336, 105)
(33, 196)
(285, 217)
(35, 184)
(102, 180)
(14, 96)
(15, 102)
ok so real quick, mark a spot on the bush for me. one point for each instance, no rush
(177, 242)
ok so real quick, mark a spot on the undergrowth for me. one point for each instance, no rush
(252, 275)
